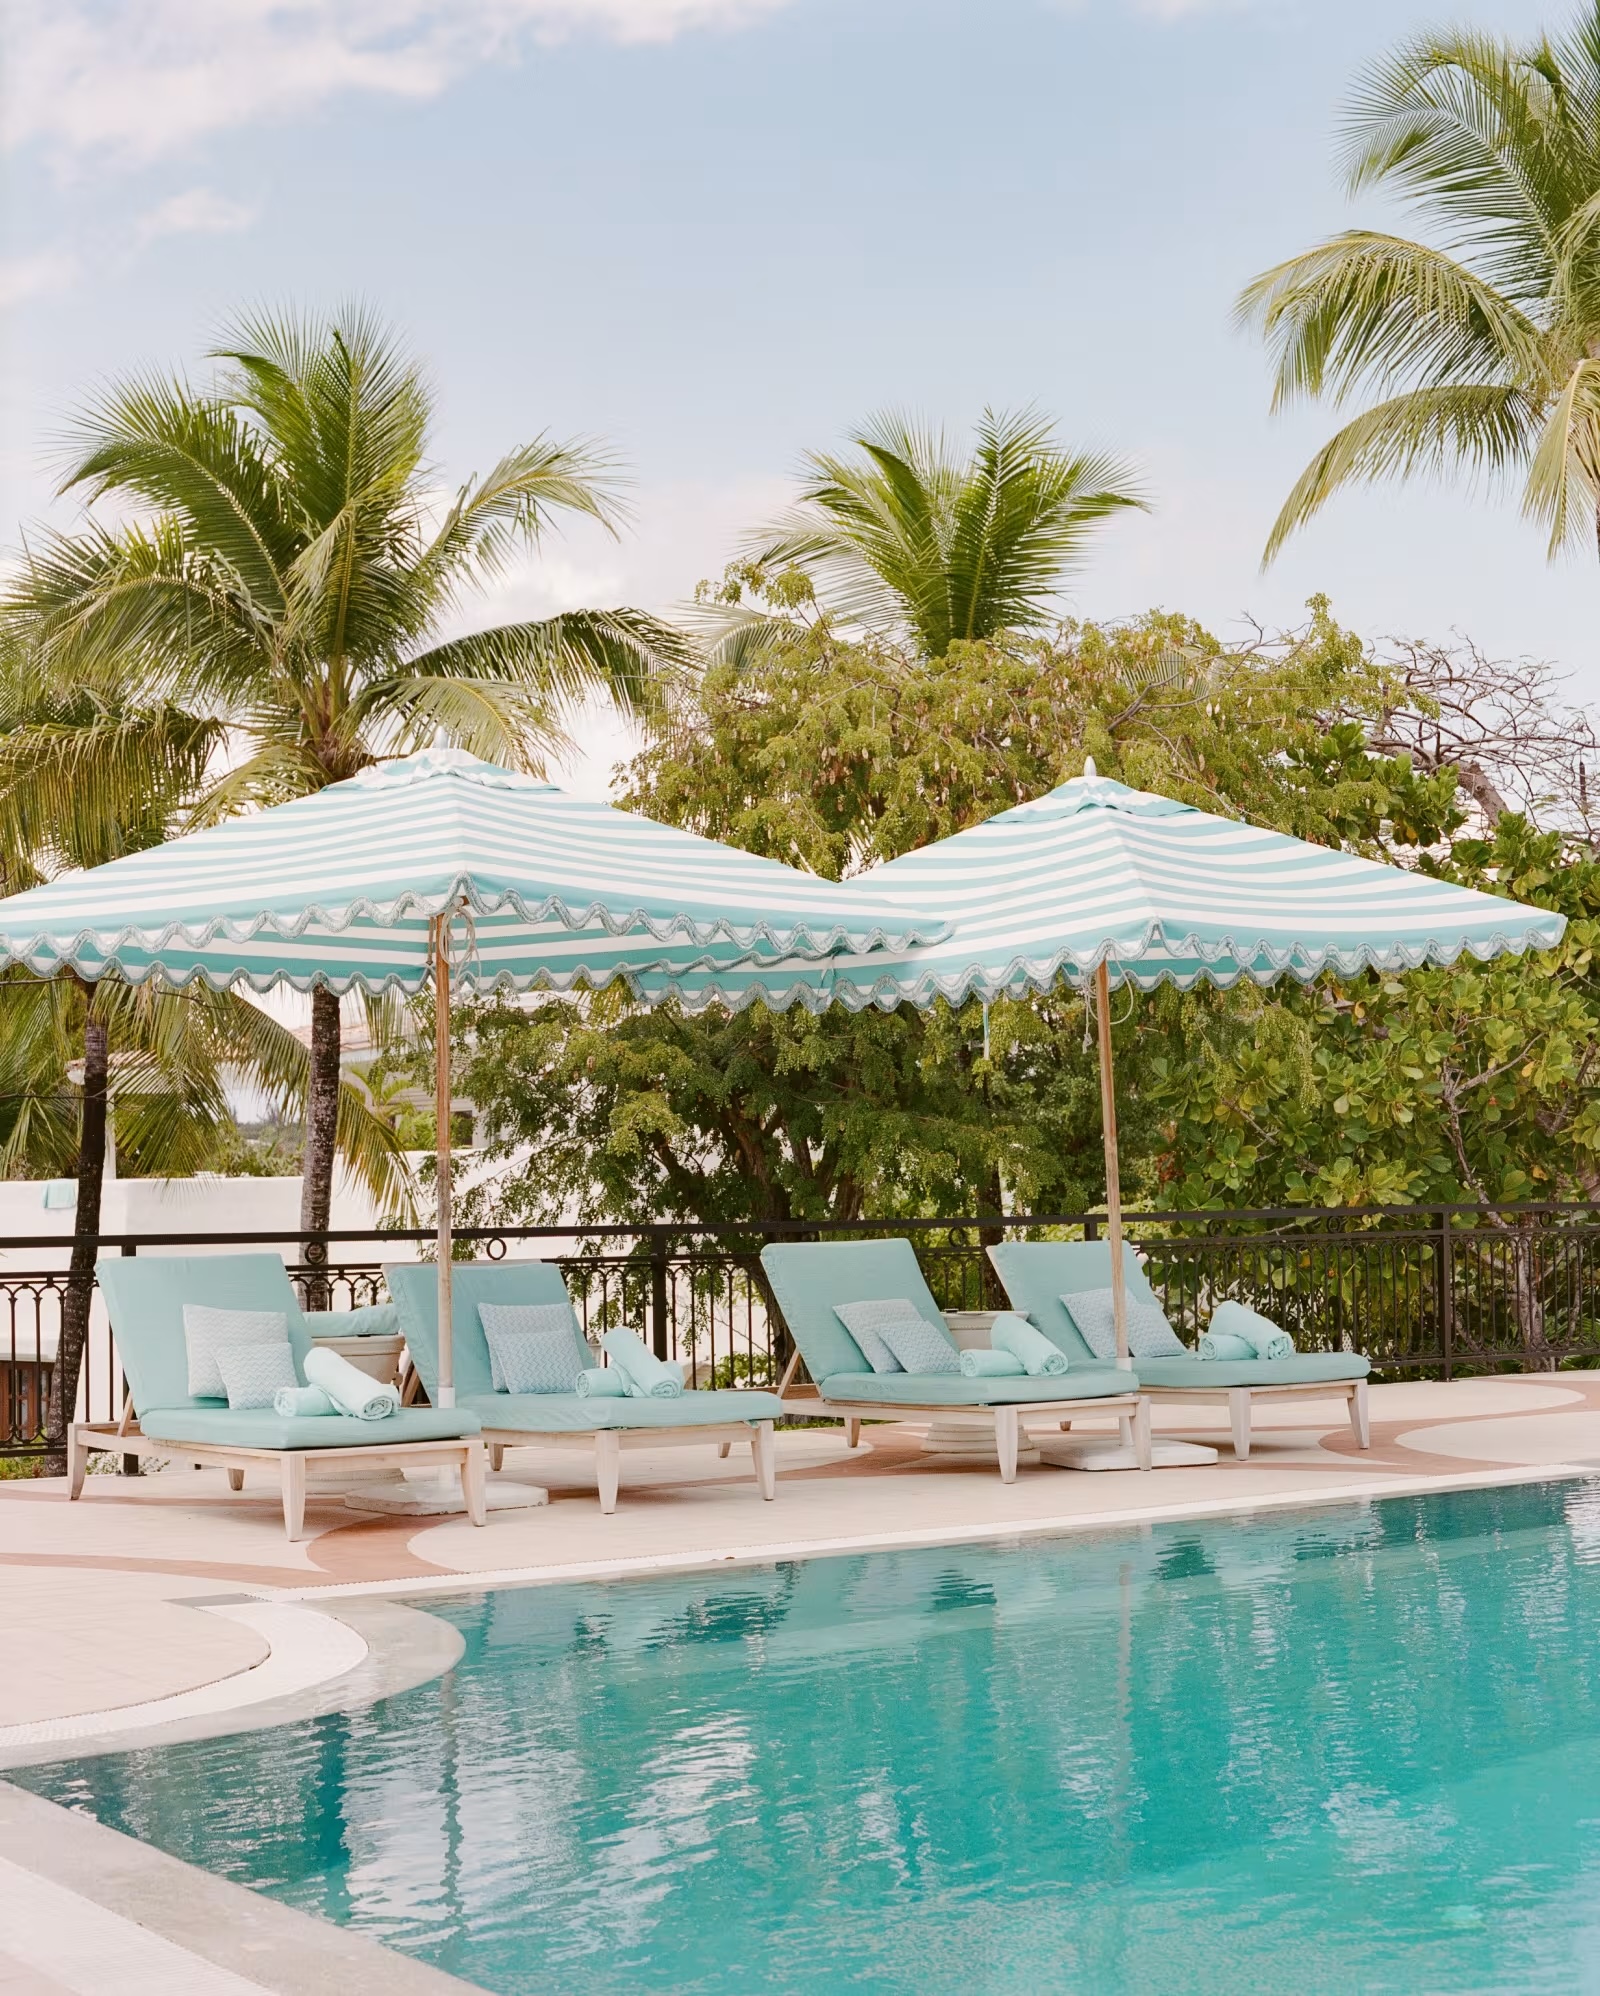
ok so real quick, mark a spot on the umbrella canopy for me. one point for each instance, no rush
(1097, 873)
(430, 872)
(340, 889)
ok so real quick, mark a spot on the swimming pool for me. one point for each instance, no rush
(1353, 1749)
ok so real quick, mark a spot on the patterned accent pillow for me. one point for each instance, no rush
(555, 1357)
(535, 1361)
(207, 1329)
(921, 1346)
(253, 1373)
(865, 1321)
(1149, 1333)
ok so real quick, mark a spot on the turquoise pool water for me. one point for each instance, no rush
(1335, 1751)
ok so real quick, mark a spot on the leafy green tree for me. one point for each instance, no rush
(915, 543)
(284, 586)
(1484, 346)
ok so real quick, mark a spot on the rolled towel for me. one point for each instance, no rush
(979, 1364)
(294, 1403)
(648, 1377)
(351, 1390)
(1014, 1334)
(597, 1382)
(1265, 1338)
(1223, 1344)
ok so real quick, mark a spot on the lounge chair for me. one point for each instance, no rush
(810, 1277)
(555, 1420)
(145, 1299)
(1037, 1274)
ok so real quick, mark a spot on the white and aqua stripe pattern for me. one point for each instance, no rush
(1158, 891)
(337, 889)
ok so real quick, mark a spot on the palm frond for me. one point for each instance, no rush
(84, 786)
(1365, 309)
(1431, 430)
(187, 455)
(1563, 489)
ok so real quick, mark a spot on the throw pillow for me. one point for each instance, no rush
(1149, 1333)
(557, 1359)
(865, 1321)
(207, 1329)
(921, 1346)
(253, 1373)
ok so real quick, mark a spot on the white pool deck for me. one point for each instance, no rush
(167, 1606)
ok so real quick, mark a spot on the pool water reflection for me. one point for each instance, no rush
(1354, 1749)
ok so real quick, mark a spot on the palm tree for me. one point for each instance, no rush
(285, 585)
(913, 541)
(91, 776)
(1486, 345)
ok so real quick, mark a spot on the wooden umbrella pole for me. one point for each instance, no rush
(440, 939)
(1108, 1127)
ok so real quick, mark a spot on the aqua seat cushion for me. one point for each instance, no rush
(811, 1278)
(1306, 1368)
(145, 1295)
(953, 1389)
(414, 1285)
(567, 1414)
(259, 1427)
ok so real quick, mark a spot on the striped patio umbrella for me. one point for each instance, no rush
(442, 871)
(1096, 883)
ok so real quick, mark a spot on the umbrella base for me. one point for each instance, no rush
(437, 1494)
(1104, 1452)
(973, 1441)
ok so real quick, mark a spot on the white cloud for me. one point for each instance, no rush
(136, 81)
(33, 276)
(198, 212)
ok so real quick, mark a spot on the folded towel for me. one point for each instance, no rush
(351, 1390)
(981, 1364)
(1223, 1344)
(1265, 1338)
(602, 1383)
(295, 1402)
(648, 1377)
(1016, 1335)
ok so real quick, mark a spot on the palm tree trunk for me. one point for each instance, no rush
(75, 1304)
(322, 1123)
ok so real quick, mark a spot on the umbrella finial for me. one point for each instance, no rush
(1088, 766)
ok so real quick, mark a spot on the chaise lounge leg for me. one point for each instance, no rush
(1125, 1430)
(607, 1465)
(497, 1455)
(764, 1454)
(473, 1479)
(1239, 1420)
(1358, 1415)
(1141, 1434)
(852, 1433)
(77, 1463)
(235, 1479)
(294, 1496)
(723, 1449)
(1007, 1425)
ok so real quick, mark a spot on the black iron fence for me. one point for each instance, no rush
(1423, 1291)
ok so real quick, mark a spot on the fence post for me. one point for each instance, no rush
(658, 1293)
(1447, 1294)
(130, 1463)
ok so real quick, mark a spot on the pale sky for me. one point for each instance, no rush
(716, 232)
